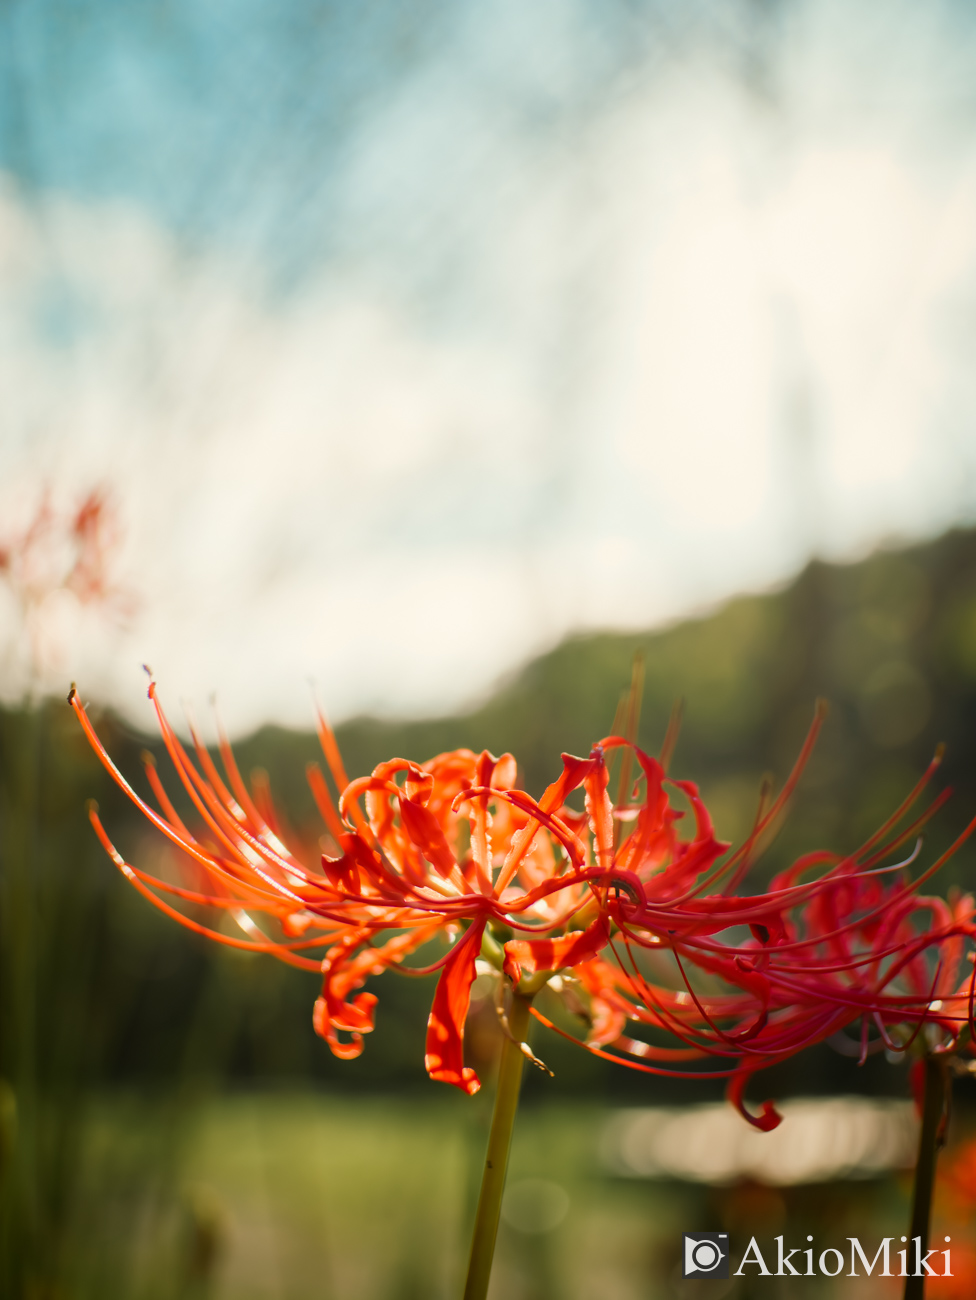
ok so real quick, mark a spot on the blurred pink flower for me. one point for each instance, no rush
(63, 552)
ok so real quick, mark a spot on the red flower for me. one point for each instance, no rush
(643, 927)
(843, 947)
(434, 847)
(397, 868)
(68, 552)
(62, 552)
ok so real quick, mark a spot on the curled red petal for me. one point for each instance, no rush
(445, 1027)
(553, 954)
(599, 808)
(553, 797)
(769, 1118)
(511, 965)
(343, 872)
(607, 1025)
(326, 1028)
(421, 825)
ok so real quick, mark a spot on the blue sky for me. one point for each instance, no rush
(241, 123)
(411, 337)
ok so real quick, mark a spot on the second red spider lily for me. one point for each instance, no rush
(851, 945)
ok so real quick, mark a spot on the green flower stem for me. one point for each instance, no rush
(496, 1158)
(937, 1084)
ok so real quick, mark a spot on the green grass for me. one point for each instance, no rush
(300, 1196)
(317, 1196)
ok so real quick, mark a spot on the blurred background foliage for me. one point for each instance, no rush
(123, 1036)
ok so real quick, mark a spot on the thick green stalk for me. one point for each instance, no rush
(937, 1084)
(496, 1158)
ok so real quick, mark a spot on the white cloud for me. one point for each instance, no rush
(663, 356)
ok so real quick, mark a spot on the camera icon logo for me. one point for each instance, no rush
(706, 1254)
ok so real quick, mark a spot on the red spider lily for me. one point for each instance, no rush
(67, 552)
(444, 846)
(843, 948)
(379, 881)
(453, 846)
(62, 552)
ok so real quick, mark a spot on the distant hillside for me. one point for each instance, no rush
(889, 641)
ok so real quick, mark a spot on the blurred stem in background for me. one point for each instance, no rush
(49, 936)
(936, 1095)
(69, 1015)
(46, 939)
(20, 1255)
